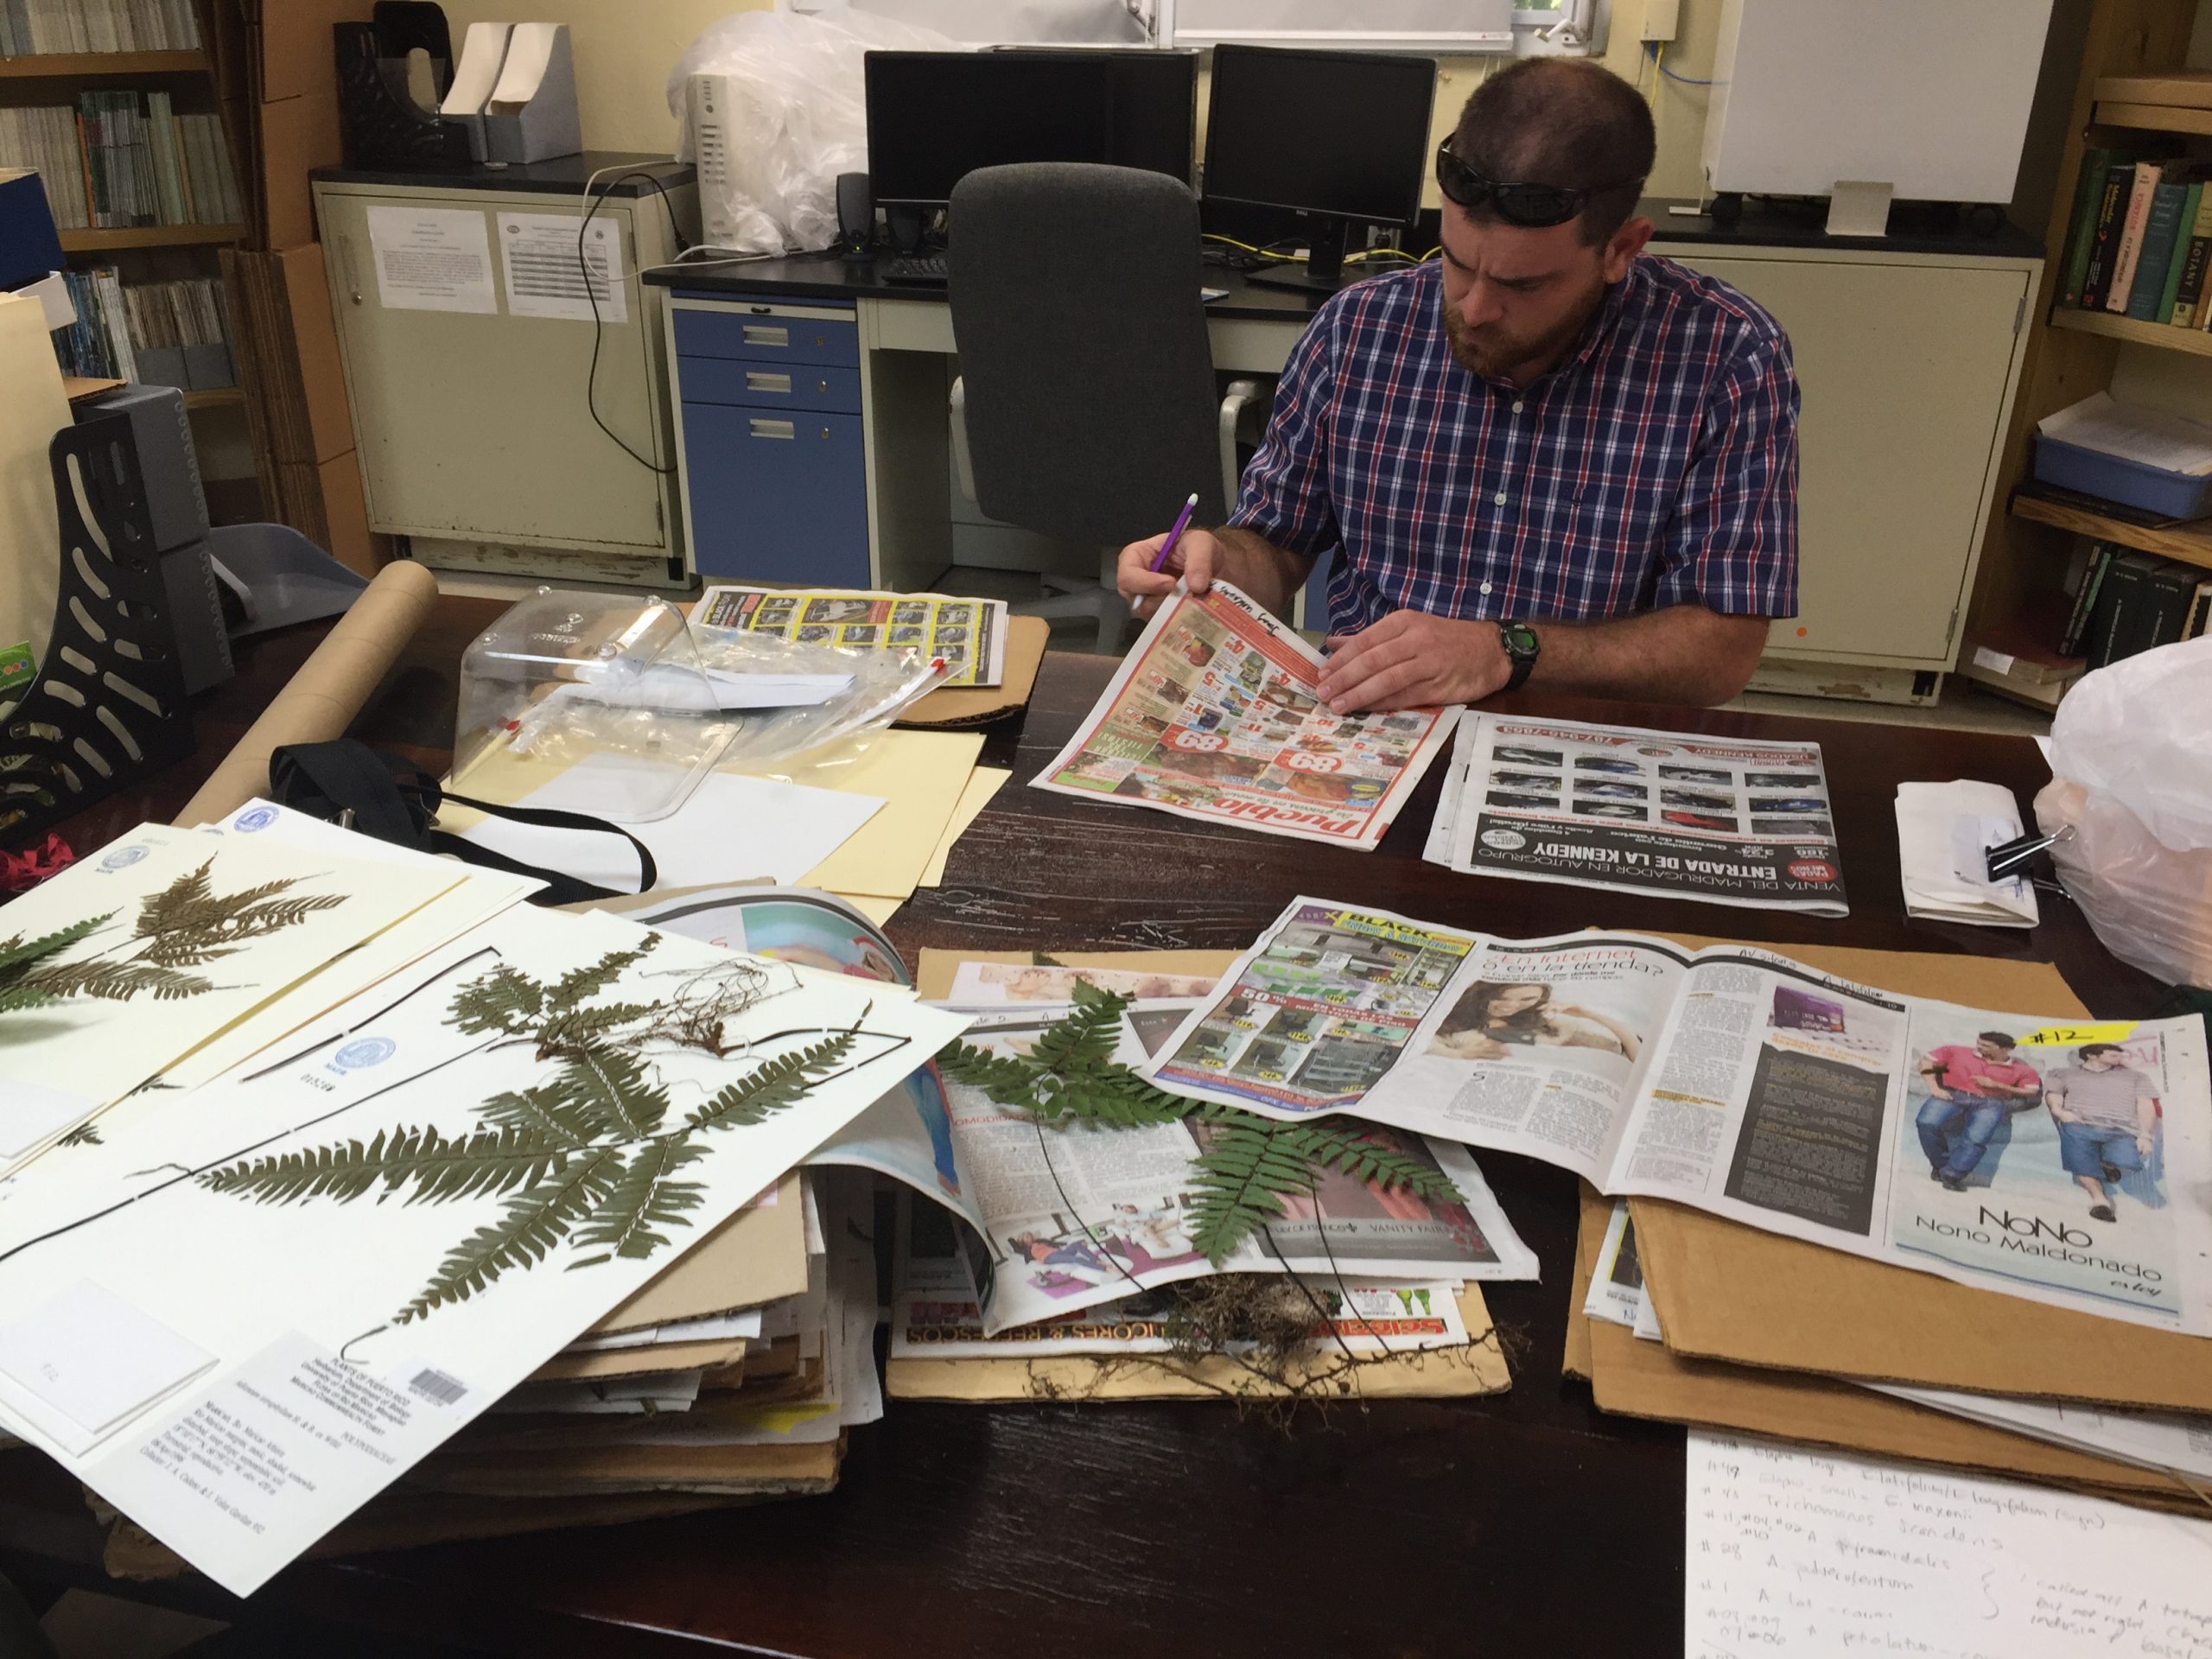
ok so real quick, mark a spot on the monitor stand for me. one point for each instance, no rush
(1324, 270)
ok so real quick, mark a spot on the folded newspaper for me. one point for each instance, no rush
(1729, 821)
(2057, 1160)
(1216, 715)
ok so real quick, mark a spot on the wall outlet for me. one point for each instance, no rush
(1662, 19)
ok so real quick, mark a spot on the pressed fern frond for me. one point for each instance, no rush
(1239, 1182)
(1070, 1070)
(536, 1223)
(438, 1170)
(177, 906)
(579, 984)
(1352, 1148)
(20, 998)
(18, 954)
(605, 1092)
(254, 921)
(114, 981)
(1005, 1077)
(504, 998)
(772, 1086)
(646, 1196)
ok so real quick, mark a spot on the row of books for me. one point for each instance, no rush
(2140, 242)
(2125, 602)
(163, 333)
(122, 159)
(31, 26)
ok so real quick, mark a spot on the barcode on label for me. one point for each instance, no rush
(437, 1386)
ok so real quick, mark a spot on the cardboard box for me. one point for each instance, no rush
(294, 136)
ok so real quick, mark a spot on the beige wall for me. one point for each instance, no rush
(625, 48)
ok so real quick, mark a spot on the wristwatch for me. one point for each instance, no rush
(1522, 650)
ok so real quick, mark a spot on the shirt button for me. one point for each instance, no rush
(1500, 498)
(1518, 406)
(1486, 586)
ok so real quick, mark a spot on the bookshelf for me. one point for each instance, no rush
(99, 66)
(153, 236)
(2072, 352)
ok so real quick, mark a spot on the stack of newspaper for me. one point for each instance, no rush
(1835, 1167)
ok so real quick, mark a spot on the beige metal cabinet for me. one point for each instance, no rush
(471, 427)
(1907, 364)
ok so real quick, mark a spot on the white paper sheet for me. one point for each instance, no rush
(432, 259)
(539, 261)
(1812, 1554)
(89, 1355)
(1943, 831)
(2133, 433)
(732, 828)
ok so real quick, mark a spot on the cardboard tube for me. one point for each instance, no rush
(322, 699)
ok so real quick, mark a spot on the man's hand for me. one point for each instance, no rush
(2143, 1144)
(1195, 559)
(1412, 660)
(1939, 1092)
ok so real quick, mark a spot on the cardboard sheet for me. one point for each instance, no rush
(552, 1471)
(757, 1256)
(1441, 1373)
(1645, 1379)
(1589, 1240)
(983, 783)
(920, 774)
(961, 706)
(599, 1365)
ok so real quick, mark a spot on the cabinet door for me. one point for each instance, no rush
(1904, 370)
(777, 495)
(473, 425)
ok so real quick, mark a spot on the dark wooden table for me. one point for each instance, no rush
(1525, 1524)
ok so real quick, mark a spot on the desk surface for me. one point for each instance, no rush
(1411, 1527)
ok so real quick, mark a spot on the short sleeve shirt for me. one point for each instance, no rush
(1656, 465)
(2105, 1098)
(1960, 1065)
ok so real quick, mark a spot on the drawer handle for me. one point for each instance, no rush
(768, 429)
(763, 380)
(764, 334)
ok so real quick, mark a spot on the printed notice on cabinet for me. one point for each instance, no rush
(432, 259)
(549, 273)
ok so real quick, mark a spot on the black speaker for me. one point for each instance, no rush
(855, 216)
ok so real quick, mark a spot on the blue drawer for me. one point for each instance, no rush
(768, 333)
(2131, 483)
(769, 385)
(777, 497)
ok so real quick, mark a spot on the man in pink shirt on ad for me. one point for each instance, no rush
(1970, 1092)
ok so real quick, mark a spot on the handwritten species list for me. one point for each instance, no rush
(1805, 1553)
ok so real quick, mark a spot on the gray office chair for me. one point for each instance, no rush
(1086, 408)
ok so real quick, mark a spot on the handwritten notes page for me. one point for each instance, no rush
(1804, 1552)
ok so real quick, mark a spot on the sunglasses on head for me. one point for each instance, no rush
(1533, 207)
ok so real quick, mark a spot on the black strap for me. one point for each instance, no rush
(398, 802)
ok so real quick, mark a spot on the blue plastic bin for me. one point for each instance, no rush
(2173, 495)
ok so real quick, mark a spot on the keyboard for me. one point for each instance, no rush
(918, 270)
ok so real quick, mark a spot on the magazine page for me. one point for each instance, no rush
(1633, 811)
(1537, 1046)
(1215, 716)
(2059, 1160)
(970, 634)
(1312, 1017)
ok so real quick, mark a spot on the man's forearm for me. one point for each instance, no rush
(1270, 574)
(1682, 654)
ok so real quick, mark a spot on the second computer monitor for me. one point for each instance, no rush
(935, 117)
(1340, 135)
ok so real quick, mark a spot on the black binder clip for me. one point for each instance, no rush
(2007, 861)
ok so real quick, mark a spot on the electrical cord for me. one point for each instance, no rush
(591, 205)
(1656, 51)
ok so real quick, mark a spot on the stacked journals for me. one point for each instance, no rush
(121, 159)
(165, 333)
(31, 26)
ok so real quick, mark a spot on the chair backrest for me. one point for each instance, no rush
(1091, 411)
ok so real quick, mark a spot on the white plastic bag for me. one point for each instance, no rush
(798, 119)
(2132, 751)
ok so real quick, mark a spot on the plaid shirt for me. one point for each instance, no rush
(1656, 466)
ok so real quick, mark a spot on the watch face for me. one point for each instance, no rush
(1520, 640)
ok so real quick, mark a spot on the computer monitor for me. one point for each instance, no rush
(935, 117)
(1341, 136)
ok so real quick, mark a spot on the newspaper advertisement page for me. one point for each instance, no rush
(1646, 811)
(2060, 1160)
(969, 635)
(1316, 1014)
(1075, 1216)
(1214, 715)
(1537, 1046)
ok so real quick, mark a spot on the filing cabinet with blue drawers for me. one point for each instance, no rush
(774, 462)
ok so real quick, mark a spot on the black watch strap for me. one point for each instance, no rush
(1521, 649)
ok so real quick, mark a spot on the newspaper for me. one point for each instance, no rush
(2053, 1159)
(1616, 1293)
(1215, 716)
(1633, 811)
(935, 1314)
(969, 635)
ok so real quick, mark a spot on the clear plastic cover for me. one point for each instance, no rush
(563, 677)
